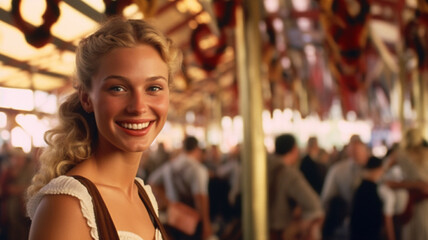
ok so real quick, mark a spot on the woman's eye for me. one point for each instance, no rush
(117, 89)
(154, 89)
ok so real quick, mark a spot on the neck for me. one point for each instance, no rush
(118, 166)
(193, 155)
(110, 168)
(287, 160)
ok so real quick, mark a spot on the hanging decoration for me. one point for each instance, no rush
(208, 60)
(346, 26)
(225, 17)
(41, 35)
(225, 12)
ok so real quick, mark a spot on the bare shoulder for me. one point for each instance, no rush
(59, 217)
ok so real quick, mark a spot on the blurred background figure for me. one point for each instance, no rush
(310, 166)
(341, 181)
(184, 179)
(366, 222)
(213, 159)
(228, 214)
(394, 200)
(152, 160)
(294, 208)
(412, 157)
(231, 170)
(15, 177)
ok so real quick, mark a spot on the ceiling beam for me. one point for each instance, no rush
(13, 112)
(27, 67)
(86, 10)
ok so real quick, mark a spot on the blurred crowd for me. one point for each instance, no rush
(313, 193)
(16, 170)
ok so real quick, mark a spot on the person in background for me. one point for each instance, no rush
(335, 156)
(311, 169)
(213, 159)
(14, 181)
(120, 105)
(154, 159)
(394, 200)
(185, 180)
(412, 157)
(4, 163)
(231, 170)
(228, 220)
(366, 220)
(294, 208)
(324, 162)
(342, 180)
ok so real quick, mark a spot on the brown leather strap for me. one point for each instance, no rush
(105, 225)
(152, 212)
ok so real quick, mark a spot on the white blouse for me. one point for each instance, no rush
(69, 186)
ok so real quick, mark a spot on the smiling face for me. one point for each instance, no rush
(129, 97)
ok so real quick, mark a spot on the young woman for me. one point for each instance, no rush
(121, 103)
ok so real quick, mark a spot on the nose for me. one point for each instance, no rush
(137, 103)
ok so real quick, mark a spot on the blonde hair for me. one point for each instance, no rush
(75, 137)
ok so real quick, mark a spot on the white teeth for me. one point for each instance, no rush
(135, 126)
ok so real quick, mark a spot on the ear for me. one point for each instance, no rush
(85, 100)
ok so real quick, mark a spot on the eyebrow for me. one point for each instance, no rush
(154, 78)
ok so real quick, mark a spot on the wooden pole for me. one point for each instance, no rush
(248, 54)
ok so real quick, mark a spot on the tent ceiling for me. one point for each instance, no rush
(51, 67)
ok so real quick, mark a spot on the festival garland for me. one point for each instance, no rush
(348, 34)
(225, 13)
(209, 61)
(41, 35)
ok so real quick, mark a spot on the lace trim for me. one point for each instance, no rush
(68, 186)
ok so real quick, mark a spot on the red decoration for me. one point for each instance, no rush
(225, 11)
(348, 36)
(347, 97)
(41, 35)
(226, 17)
(209, 61)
